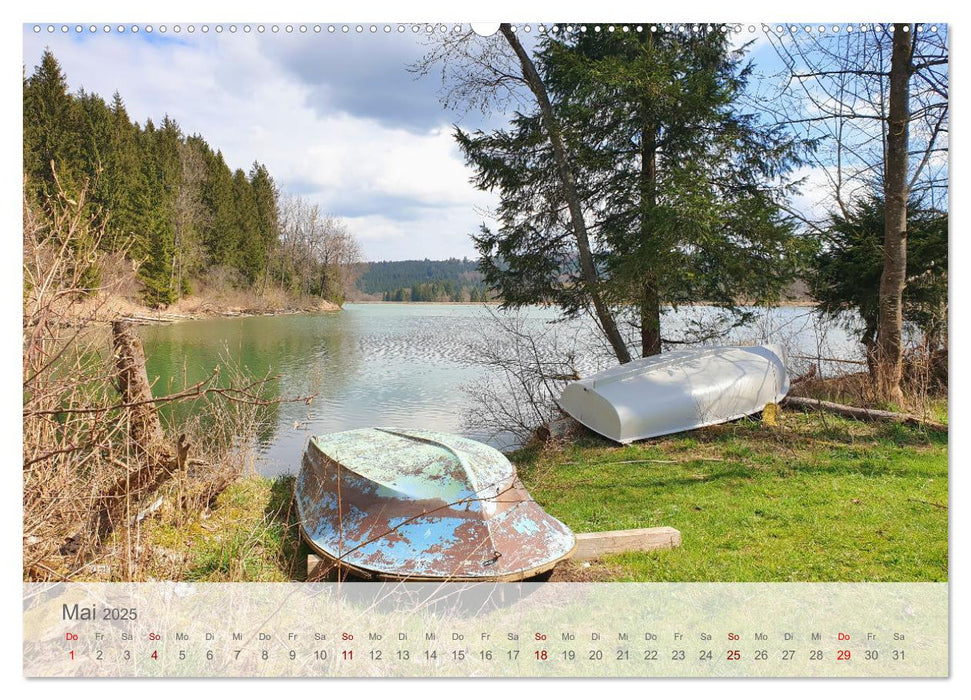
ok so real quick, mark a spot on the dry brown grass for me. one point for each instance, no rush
(119, 296)
(76, 441)
(220, 299)
(924, 387)
(851, 389)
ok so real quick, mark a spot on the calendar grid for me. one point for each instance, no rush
(522, 630)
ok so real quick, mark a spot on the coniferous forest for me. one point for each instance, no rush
(170, 203)
(424, 280)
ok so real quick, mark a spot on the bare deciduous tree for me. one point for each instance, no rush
(318, 255)
(876, 100)
(528, 363)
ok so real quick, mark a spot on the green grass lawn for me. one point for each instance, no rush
(816, 498)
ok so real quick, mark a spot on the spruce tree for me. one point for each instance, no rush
(680, 187)
(266, 198)
(50, 131)
(169, 202)
(219, 233)
(123, 186)
(160, 165)
(251, 258)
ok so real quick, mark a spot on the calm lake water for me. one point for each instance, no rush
(400, 365)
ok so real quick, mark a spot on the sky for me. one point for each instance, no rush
(336, 116)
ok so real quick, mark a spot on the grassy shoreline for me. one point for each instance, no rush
(815, 498)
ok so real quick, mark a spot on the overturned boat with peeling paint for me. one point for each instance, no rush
(422, 505)
(678, 391)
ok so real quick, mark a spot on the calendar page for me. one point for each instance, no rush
(529, 349)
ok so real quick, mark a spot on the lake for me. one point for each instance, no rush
(401, 365)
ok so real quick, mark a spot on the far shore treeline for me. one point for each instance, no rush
(424, 280)
(170, 203)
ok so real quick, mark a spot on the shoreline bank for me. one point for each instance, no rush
(103, 308)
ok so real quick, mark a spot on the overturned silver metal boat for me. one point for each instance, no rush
(422, 505)
(678, 391)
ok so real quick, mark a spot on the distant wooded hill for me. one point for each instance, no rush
(423, 280)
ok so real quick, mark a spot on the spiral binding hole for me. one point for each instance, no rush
(542, 29)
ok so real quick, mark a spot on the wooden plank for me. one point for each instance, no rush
(315, 567)
(592, 545)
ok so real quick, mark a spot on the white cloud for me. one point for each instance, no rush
(816, 198)
(382, 238)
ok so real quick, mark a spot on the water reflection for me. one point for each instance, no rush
(370, 365)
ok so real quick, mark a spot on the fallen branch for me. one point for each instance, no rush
(841, 360)
(138, 318)
(863, 414)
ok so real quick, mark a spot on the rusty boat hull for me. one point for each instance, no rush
(422, 505)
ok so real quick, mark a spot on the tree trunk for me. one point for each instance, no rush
(144, 427)
(587, 266)
(870, 345)
(650, 301)
(161, 460)
(889, 350)
(650, 322)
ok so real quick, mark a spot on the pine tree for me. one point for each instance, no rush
(162, 169)
(251, 260)
(681, 187)
(219, 231)
(50, 132)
